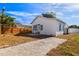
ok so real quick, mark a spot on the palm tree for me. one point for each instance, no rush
(5, 21)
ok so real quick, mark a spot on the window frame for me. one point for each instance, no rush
(59, 27)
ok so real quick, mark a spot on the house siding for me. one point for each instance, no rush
(50, 26)
(73, 30)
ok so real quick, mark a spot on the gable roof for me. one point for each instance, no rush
(34, 19)
(50, 18)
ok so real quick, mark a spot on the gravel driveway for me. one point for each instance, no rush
(34, 48)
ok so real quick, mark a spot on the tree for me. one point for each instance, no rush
(49, 14)
(5, 21)
(74, 26)
(1, 20)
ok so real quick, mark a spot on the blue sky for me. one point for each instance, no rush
(26, 12)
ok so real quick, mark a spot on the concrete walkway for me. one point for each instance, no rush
(35, 48)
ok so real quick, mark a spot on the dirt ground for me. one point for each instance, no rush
(7, 40)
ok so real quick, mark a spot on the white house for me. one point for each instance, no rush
(73, 30)
(48, 26)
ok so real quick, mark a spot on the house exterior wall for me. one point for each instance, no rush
(64, 28)
(50, 26)
(73, 30)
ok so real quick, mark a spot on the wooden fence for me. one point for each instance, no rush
(17, 30)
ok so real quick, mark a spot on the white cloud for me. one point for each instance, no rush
(71, 7)
(23, 20)
(23, 14)
(65, 7)
(59, 13)
(75, 16)
(20, 20)
(75, 5)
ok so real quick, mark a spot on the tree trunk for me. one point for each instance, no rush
(2, 29)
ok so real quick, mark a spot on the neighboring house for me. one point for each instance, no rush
(48, 26)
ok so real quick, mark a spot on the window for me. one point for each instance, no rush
(41, 27)
(59, 27)
(35, 27)
(38, 27)
(63, 28)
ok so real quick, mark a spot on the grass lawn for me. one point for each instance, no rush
(69, 48)
(10, 40)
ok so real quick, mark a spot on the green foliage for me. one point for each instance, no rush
(5, 21)
(49, 15)
(10, 20)
(74, 26)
